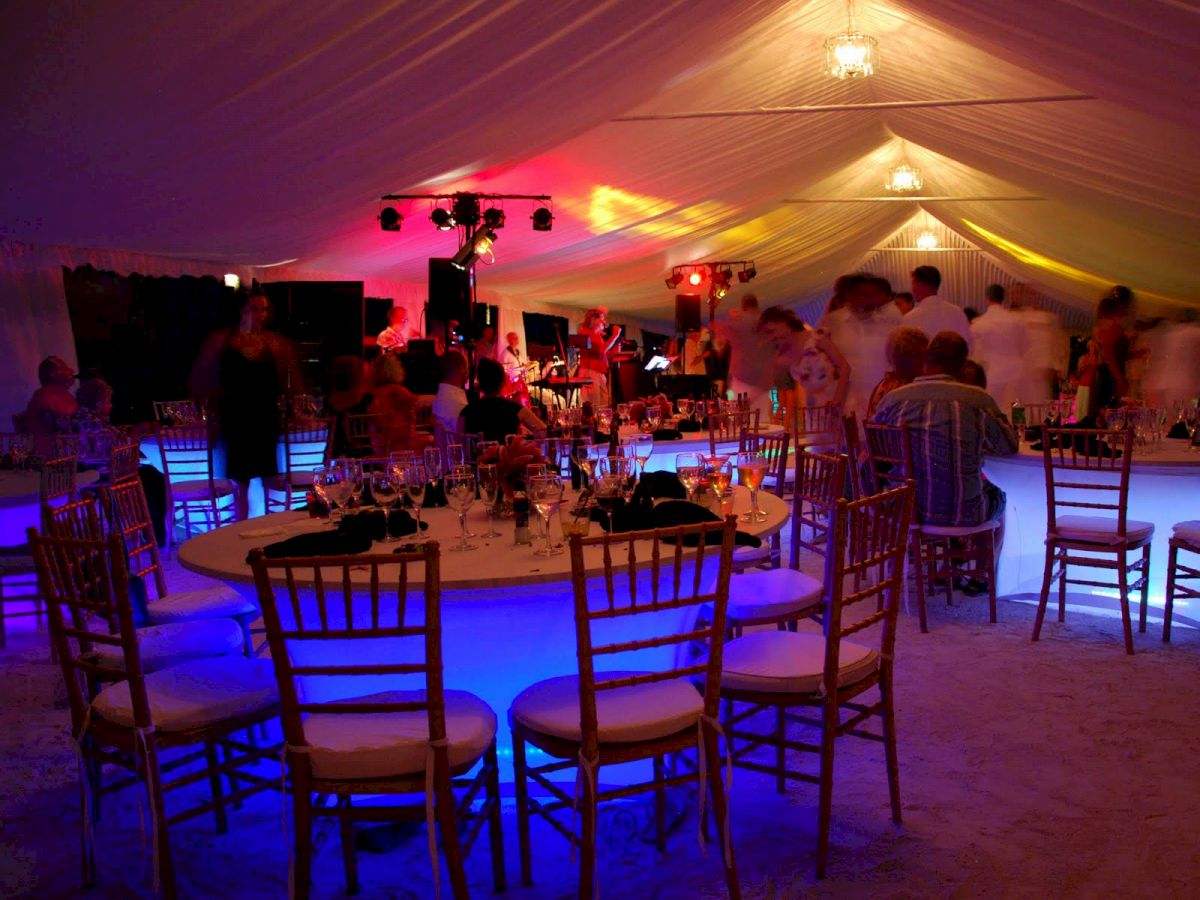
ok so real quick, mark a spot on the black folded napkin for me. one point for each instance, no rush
(1081, 443)
(654, 485)
(667, 434)
(689, 426)
(318, 543)
(642, 515)
(1178, 430)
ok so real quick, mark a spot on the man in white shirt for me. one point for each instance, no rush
(510, 356)
(451, 397)
(933, 314)
(394, 338)
(1001, 345)
(860, 331)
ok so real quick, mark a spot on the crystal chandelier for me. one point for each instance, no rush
(927, 240)
(850, 54)
(903, 178)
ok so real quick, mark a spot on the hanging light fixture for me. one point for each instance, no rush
(851, 54)
(904, 178)
(927, 240)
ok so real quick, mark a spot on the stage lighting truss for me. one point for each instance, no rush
(478, 247)
(718, 274)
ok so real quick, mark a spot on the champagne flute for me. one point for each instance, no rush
(489, 487)
(415, 481)
(689, 467)
(752, 468)
(456, 455)
(433, 463)
(386, 492)
(546, 495)
(460, 494)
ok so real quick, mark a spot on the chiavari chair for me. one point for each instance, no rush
(1183, 578)
(306, 447)
(192, 486)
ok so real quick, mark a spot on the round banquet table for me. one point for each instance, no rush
(20, 499)
(507, 615)
(1164, 488)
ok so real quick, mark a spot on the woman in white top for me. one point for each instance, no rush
(819, 368)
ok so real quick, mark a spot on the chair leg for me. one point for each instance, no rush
(448, 826)
(989, 547)
(1043, 601)
(154, 792)
(346, 838)
(214, 783)
(660, 807)
(889, 748)
(1169, 608)
(1062, 590)
(829, 725)
(301, 839)
(522, 790)
(87, 809)
(1145, 598)
(587, 841)
(720, 808)
(495, 830)
(1123, 587)
(780, 750)
(919, 553)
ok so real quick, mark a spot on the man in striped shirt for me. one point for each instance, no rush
(952, 426)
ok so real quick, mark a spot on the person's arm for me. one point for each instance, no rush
(999, 439)
(840, 363)
(529, 419)
(205, 377)
(612, 341)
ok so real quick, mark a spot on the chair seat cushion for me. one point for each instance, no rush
(383, 745)
(642, 712)
(182, 491)
(16, 556)
(166, 645)
(745, 555)
(1188, 531)
(790, 662)
(196, 694)
(1100, 530)
(959, 530)
(220, 602)
(771, 593)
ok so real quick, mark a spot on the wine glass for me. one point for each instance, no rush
(609, 495)
(686, 407)
(689, 467)
(416, 479)
(319, 479)
(335, 488)
(433, 463)
(460, 494)
(752, 468)
(489, 487)
(546, 493)
(354, 476)
(456, 455)
(643, 448)
(1191, 420)
(654, 416)
(581, 455)
(623, 412)
(604, 419)
(386, 492)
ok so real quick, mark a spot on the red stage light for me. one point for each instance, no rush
(695, 278)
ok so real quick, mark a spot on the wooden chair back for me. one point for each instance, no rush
(82, 519)
(820, 483)
(1105, 454)
(82, 582)
(662, 556)
(728, 427)
(333, 613)
(177, 412)
(187, 453)
(864, 564)
(819, 422)
(856, 457)
(129, 518)
(57, 483)
(306, 444)
(365, 434)
(775, 448)
(123, 462)
(20, 441)
(889, 454)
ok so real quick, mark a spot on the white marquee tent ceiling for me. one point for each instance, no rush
(250, 132)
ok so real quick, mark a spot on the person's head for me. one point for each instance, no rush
(780, 326)
(512, 339)
(946, 354)
(95, 397)
(489, 377)
(596, 317)
(1116, 304)
(254, 311)
(397, 317)
(454, 368)
(994, 293)
(906, 348)
(904, 302)
(387, 369)
(53, 371)
(750, 303)
(488, 335)
(925, 282)
(972, 373)
(971, 314)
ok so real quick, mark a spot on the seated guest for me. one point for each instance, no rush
(493, 416)
(953, 425)
(396, 406)
(347, 396)
(451, 397)
(51, 405)
(972, 373)
(905, 351)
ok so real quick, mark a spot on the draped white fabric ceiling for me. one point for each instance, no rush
(248, 132)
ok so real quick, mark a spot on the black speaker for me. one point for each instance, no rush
(449, 292)
(687, 313)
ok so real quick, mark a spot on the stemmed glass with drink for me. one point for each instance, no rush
(604, 419)
(752, 469)
(460, 494)
(654, 415)
(416, 479)
(690, 469)
(333, 485)
(546, 494)
(489, 489)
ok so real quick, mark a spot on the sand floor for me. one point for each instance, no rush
(1061, 769)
